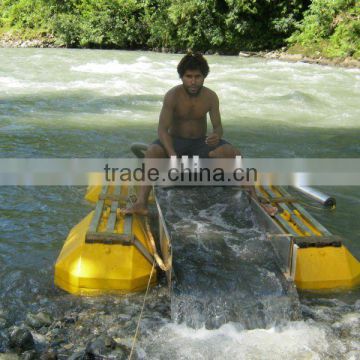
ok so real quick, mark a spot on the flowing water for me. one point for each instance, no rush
(224, 268)
(86, 103)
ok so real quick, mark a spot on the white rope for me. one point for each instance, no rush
(141, 313)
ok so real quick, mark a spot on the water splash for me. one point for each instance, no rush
(224, 269)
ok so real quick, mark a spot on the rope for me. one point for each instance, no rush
(157, 259)
(141, 313)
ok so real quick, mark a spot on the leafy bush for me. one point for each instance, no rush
(102, 23)
(331, 28)
(26, 14)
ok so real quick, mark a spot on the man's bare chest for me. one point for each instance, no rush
(191, 110)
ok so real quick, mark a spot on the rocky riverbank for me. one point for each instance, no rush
(49, 41)
(7, 40)
(87, 328)
(285, 56)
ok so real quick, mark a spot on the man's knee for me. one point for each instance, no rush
(224, 151)
(155, 151)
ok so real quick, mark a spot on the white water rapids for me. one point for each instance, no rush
(87, 103)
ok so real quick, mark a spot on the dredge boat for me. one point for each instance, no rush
(112, 252)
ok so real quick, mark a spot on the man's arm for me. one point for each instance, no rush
(215, 118)
(165, 121)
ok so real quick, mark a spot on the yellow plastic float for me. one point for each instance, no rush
(309, 254)
(106, 251)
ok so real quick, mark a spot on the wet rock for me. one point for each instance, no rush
(21, 339)
(123, 350)
(70, 319)
(291, 57)
(50, 354)
(38, 320)
(163, 309)
(100, 346)
(29, 355)
(352, 355)
(57, 336)
(41, 342)
(9, 357)
(79, 355)
(68, 346)
(350, 62)
(130, 326)
(348, 326)
(271, 55)
(3, 342)
(120, 354)
(3, 323)
(124, 317)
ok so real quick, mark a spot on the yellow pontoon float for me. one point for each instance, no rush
(107, 251)
(307, 252)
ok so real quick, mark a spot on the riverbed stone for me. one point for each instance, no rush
(352, 355)
(21, 339)
(3, 323)
(9, 356)
(29, 355)
(50, 354)
(123, 351)
(79, 355)
(291, 57)
(36, 321)
(100, 345)
(70, 319)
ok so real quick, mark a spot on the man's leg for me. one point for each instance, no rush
(141, 205)
(224, 151)
(228, 151)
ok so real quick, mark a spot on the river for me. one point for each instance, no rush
(91, 103)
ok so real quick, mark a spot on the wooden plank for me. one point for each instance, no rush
(110, 227)
(109, 238)
(317, 241)
(97, 216)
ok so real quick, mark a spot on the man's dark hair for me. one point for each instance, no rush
(193, 62)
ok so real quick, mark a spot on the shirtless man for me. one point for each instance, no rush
(182, 124)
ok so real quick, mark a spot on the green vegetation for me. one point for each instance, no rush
(327, 27)
(330, 28)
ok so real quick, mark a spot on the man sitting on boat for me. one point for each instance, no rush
(182, 125)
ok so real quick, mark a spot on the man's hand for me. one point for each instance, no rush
(213, 139)
(172, 153)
